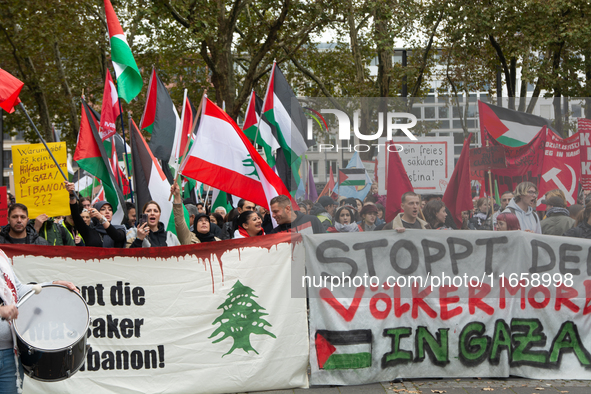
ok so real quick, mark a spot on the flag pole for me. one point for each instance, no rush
(201, 104)
(22, 107)
(125, 148)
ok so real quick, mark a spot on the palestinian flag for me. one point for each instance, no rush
(263, 134)
(189, 124)
(10, 88)
(240, 170)
(343, 349)
(161, 119)
(129, 79)
(149, 179)
(509, 127)
(288, 124)
(352, 177)
(91, 156)
(109, 109)
(220, 199)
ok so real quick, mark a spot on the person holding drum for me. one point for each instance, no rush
(11, 291)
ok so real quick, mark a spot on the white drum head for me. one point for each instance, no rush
(53, 319)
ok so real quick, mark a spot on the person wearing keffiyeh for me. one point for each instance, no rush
(11, 290)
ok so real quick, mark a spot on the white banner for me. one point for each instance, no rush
(426, 304)
(166, 320)
(429, 162)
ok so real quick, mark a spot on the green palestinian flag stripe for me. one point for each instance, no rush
(221, 201)
(286, 145)
(129, 81)
(251, 133)
(510, 142)
(348, 361)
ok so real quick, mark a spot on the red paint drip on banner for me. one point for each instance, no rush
(203, 251)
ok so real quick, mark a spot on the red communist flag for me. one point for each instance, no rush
(10, 88)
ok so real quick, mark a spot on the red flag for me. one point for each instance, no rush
(561, 168)
(584, 126)
(328, 189)
(458, 195)
(397, 183)
(10, 88)
(109, 109)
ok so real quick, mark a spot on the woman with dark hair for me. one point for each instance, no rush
(216, 218)
(344, 221)
(583, 225)
(201, 224)
(248, 224)
(369, 216)
(100, 232)
(152, 232)
(507, 222)
(381, 214)
(435, 214)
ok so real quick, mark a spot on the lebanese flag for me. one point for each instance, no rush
(397, 183)
(161, 119)
(129, 79)
(458, 195)
(509, 127)
(109, 110)
(149, 179)
(92, 157)
(254, 128)
(10, 88)
(222, 157)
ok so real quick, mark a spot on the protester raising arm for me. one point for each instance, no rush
(202, 226)
(103, 234)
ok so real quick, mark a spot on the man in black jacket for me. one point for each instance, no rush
(289, 220)
(18, 230)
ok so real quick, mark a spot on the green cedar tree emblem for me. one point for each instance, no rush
(250, 163)
(241, 317)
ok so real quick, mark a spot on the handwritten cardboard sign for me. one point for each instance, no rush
(38, 182)
(487, 158)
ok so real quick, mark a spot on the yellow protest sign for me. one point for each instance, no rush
(37, 181)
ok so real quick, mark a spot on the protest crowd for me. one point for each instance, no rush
(91, 225)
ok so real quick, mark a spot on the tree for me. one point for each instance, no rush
(241, 317)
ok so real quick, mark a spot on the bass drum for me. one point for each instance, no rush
(51, 332)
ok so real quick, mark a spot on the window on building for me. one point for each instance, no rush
(429, 112)
(7, 158)
(314, 166)
(331, 164)
(443, 112)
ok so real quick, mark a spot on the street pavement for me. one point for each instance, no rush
(453, 386)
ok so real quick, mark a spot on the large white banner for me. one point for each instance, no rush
(208, 318)
(427, 304)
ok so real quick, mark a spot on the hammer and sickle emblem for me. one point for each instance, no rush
(552, 175)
